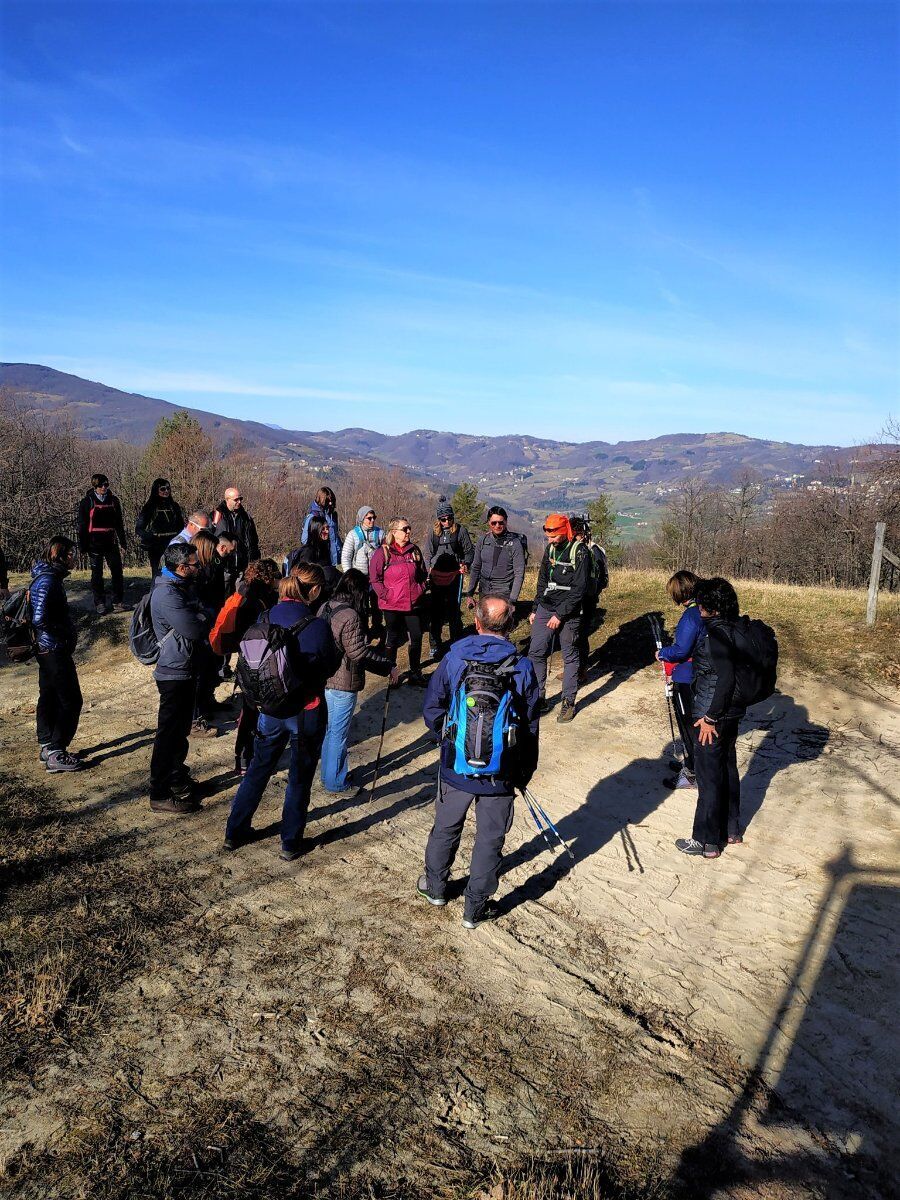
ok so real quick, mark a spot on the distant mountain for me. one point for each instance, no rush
(530, 475)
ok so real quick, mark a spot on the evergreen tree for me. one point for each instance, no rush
(183, 453)
(603, 522)
(467, 508)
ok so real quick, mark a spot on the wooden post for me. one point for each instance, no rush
(875, 575)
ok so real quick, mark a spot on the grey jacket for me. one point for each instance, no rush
(175, 610)
(498, 568)
(357, 658)
(358, 554)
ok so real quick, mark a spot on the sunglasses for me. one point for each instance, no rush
(370, 517)
(165, 487)
(237, 497)
(404, 529)
(501, 522)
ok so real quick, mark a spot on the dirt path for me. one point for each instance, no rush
(729, 1025)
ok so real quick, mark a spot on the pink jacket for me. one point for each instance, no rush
(399, 585)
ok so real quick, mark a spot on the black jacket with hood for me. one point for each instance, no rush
(240, 525)
(715, 688)
(563, 579)
(100, 522)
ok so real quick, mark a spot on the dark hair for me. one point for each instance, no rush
(579, 526)
(497, 511)
(57, 548)
(178, 553)
(97, 479)
(682, 586)
(353, 588)
(326, 497)
(717, 595)
(318, 549)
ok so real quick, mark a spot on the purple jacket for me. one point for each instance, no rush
(398, 577)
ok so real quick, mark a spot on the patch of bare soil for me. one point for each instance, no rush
(175, 1021)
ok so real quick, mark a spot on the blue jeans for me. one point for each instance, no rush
(305, 732)
(333, 771)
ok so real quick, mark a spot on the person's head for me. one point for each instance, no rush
(325, 498)
(197, 520)
(181, 559)
(398, 533)
(99, 482)
(557, 529)
(494, 616)
(581, 531)
(717, 598)
(366, 516)
(305, 583)
(317, 537)
(233, 499)
(444, 511)
(353, 589)
(205, 544)
(261, 579)
(497, 519)
(60, 552)
(225, 545)
(681, 586)
(161, 490)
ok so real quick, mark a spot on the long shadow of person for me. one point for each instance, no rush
(623, 654)
(623, 799)
(788, 737)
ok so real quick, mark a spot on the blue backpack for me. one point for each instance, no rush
(481, 723)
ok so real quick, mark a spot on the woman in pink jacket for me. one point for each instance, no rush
(398, 576)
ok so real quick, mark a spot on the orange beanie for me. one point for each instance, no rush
(558, 522)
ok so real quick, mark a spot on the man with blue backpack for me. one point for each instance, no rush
(483, 706)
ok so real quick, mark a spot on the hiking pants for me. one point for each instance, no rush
(333, 771)
(59, 699)
(376, 619)
(542, 640)
(493, 820)
(718, 786)
(683, 703)
(305, 732)
(173, 727)
(114, 561)
(155, 551)
(445, 610)
(398, 625)
(585, 625)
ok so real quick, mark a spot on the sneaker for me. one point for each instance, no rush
(711, 851)
(566, 711)
(473, 917)
(735, 839)
(45, 753)
(100, 609)
(202, 728)
(172, 804)
(422, 889)
(683, 780)
(689, 846)
(183, 789)
(61, 760)
(545, 705)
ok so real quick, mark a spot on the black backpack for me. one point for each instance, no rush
(755, 660)
(141, 637)
(16, 631)
(269, 670)
(599, 567)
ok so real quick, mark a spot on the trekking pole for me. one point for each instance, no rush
(667, 683)
(384, 717)
(540, 816)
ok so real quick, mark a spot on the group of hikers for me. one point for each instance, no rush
(305, 633)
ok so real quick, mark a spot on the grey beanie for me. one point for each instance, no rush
(362, 513)
(444, 508)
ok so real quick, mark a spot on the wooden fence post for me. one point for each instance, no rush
(875, 574)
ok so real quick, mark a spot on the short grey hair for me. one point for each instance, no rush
(495, 614)
(200, 519)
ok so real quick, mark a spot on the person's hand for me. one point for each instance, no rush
(554, 622)
(659, 657)
(707, 731)
(394, 677)
(531, 618)
(463, 569)
(470, 603)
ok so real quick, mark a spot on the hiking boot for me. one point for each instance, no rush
(183, 789)
(172, 804)
(566, 711)
(62, 760)
(238, 839)
(202, 728)
(45, 753)
(100, 609)
(416, 679)
(545, 705)
(422, 889)
(473, 917)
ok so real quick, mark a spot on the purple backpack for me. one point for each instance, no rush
(269, 671)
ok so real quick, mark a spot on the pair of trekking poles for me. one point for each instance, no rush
(656, 630)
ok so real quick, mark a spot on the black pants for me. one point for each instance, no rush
(493, 819)
(244, 738)
(114, 561)
(155, 551)
(59, 699)
(445, 610)
(399, 624)
(376, 620)
(585, 628)
(208, 679)
(718, 786)
(682, 702)
(173, 727)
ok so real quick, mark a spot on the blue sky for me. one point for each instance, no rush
(571, 220)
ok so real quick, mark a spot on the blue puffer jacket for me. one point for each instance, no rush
(50, 617)
(180, 624)
(334, 540)
(480, 647)
(687, 631)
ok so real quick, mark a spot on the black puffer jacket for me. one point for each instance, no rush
(715, 683)
(50, 618)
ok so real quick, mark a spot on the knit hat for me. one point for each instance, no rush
(444, 508)
(362, 513)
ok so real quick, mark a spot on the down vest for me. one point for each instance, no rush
(50, 619)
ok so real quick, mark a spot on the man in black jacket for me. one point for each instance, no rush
(101, 531)
(718, 710)
(448, 554)
(562, 584)
(231, 517)
(498, 565)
